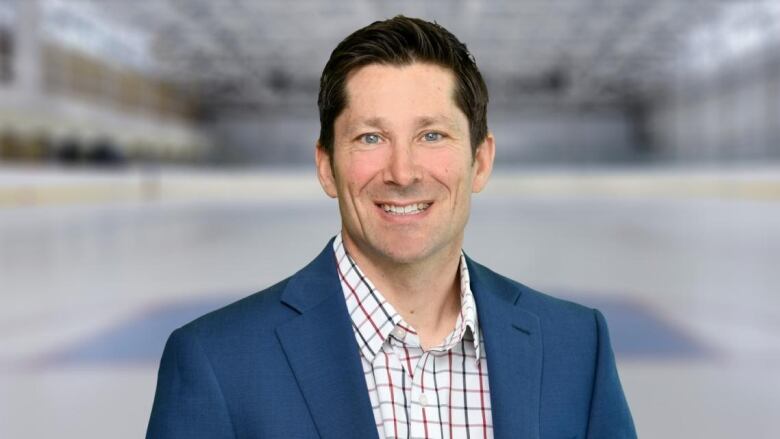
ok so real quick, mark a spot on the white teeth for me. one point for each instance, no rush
(410, 209)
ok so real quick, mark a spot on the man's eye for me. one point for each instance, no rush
(370, 138)
(432, 136)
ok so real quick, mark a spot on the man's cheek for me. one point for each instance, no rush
(361, 171)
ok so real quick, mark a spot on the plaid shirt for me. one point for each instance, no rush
(439, 393)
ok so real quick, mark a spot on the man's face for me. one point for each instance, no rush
(402, 169)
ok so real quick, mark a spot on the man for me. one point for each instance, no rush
(392, 331)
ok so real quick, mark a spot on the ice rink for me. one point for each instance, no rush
(96, 270)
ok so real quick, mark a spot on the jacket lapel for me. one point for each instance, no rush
(513, 345)
(323, 355)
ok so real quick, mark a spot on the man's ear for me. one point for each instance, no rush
(325, 170)
(483, 163)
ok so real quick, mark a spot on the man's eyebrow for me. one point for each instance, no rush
(380, 123)
(371, 122)
(425, 121)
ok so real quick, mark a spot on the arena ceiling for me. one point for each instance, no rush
(249, 52)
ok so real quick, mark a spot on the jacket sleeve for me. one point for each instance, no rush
(610, 417)
(188, 402)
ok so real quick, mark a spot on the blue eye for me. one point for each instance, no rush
(432, 136)
(370, 138)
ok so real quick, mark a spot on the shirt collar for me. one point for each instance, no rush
(374, 318)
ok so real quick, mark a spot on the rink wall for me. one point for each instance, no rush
(56, 186)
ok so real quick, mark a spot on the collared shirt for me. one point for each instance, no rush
(439, 393)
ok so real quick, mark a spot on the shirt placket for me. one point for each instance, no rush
(423, 422)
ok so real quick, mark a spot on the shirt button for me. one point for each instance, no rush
(399, 333)
(423, 399)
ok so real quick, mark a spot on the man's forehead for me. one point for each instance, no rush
(364, 82)
(376, 71)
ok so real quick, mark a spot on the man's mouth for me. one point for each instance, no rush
(408, 209)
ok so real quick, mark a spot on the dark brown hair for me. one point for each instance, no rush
(402, 41)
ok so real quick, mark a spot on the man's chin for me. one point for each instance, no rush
(407, 254)
(396, 249)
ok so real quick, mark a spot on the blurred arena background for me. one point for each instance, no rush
(154, 152)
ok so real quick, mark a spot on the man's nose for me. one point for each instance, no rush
(402, 168)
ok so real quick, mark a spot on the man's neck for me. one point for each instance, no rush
(426, 294)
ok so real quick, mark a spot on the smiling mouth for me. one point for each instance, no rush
(409, 209)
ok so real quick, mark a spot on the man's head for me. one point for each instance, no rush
(402, 41)
(398, 149)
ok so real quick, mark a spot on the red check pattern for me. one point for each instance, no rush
(439, 393)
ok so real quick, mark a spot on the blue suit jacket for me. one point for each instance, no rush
(283, 363)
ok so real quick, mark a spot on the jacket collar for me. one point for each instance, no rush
(513, 344)
(321, 350)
